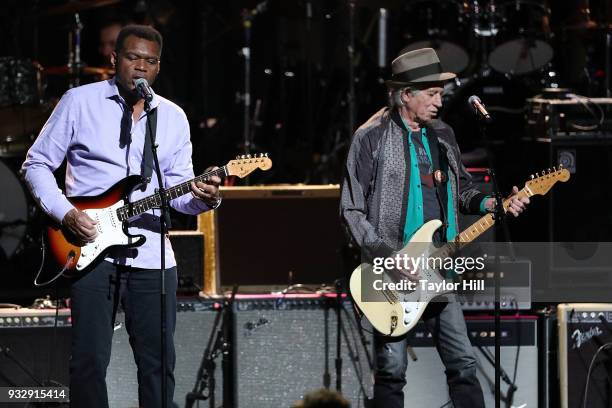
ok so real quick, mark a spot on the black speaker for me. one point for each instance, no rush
(283, 345)
(194, 322)
(188, 247)
(426, 379)
(581, 334)
(32, 350)
(590, 165)
(575, 218)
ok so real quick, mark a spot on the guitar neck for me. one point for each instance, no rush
(477, 229)
(154, 201)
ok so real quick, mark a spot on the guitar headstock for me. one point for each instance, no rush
(542, 184)
(246, 164)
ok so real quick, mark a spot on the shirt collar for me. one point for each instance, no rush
(112, 92)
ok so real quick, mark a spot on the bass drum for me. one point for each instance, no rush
(504, 99)
(522, 43)
(13, 213)
(441, 25)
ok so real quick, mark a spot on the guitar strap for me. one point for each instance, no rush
(146, 169)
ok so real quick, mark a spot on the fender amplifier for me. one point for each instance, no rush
(585, 338)
(32, 349)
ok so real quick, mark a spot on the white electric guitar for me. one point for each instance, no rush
(394, 312)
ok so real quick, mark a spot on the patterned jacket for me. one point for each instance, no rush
(376, 181)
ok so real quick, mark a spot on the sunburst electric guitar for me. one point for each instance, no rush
(112, 211)
(393, 312)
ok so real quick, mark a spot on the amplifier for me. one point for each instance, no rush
(581, 333)
(194, 322)
(30, 343)
(515, 289)
(559, 118)
(188, 247)
(426, 379)
(279, 347)
(285, 235)
(283, 345)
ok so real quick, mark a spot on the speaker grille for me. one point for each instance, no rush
(194, 322)
(281, 349)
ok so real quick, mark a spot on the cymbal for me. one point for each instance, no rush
(76, 6)
(66, 70)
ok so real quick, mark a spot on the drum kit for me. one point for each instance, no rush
(500, 50)
(510, 37)
(25, 104)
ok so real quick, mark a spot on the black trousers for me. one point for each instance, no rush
(446, 324)
(95, 298)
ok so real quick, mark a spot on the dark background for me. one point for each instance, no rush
(300, 81)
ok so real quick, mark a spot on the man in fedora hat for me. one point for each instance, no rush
(403, 169)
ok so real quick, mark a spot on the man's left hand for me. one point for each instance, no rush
(207, 191)
(517, 205)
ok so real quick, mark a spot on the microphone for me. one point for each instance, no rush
(143, 89)
(478, 107)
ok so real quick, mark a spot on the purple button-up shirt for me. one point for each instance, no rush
(85, 127)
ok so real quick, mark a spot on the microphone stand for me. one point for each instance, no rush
(501, 230)
(338, 336)
(164, 222)
(219, 342)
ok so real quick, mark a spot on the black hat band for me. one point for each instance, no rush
(415, 73)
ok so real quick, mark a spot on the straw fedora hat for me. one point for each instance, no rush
(418, 66)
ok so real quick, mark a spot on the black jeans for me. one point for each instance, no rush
(95, 298)
(446, 323)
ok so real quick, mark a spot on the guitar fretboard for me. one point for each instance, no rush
(476, 229)
(154, 201)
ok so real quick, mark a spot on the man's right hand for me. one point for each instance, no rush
(81, 225)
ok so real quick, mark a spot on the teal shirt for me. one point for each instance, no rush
(414, 211)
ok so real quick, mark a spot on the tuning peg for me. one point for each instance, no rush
(265, 154)
(248, 156)
(537, 174)
(532, 176)
(554, 168)
(243, 157)
(560, 166)
(238, 157)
